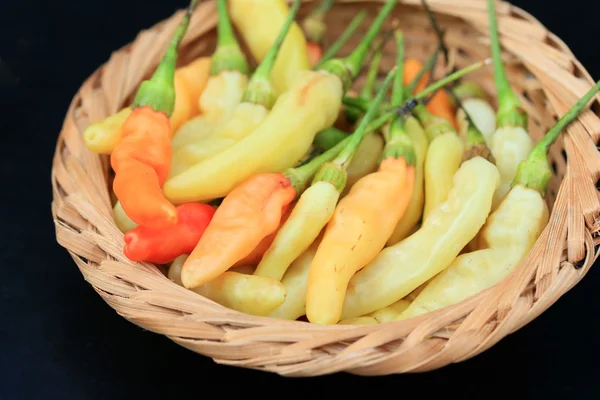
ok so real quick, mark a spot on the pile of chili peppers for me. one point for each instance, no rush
(280, 191)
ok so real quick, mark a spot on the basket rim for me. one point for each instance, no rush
(417, 329)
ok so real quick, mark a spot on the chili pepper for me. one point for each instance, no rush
(401, 268)
(161, 246)
(328, 138)
(467, 90)
(508, 234)
(307, 108)
(317, 204)
(248, 214)
(482, 114)
(314, 29)
(253, 295)
(295, 282)
(511, 143)
(190, 81)
(364, 220)
(142, 156)
(259, 22)
(342, 39)
(123, 222)
(225, 86)
(365, 161)
(258, 99)
(386, 314)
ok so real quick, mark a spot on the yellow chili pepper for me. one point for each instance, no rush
(123, 222)
(190, 81)
(239, 291)
(365, 161)
(311, 105)
(482, 114)
(508, 234)
(295, 282)
(225, 87)
(511, 143)
(317, 204)
(365, 219)
(245, 117)
(259, 22)
(401, 268)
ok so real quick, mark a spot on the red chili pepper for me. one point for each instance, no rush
(161, 246)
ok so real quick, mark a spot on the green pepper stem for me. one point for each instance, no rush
(367, 90)
(314, 25)
(450, 78)
(346, 155)
(349, 67)
(466, 90)
(509, 113)
(228, 55)
(342, 39)
(398, 143)
(426, 67)
(260, 89)
(535, 172)
(159, 91)
(433, 125)
(300, 176)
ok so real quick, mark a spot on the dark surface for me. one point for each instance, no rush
(59, 340)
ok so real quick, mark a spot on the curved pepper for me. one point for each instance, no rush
(161, 246)
(386, 314)
(259, 22)
(509, 233)
(253, 295)
(225, 87)
(245, 117)
(142, 156)
(311, 105)
(401, 268)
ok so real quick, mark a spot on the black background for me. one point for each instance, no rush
(59, 340)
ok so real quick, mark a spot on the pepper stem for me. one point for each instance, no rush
(335, 171)
(260, 89)
(535, 172)
(509, 113)
(467, 90)
(158, 92)
(314, 24)
(367, 90)
(342, 39)
(399, 144)
(228, 55)
(349, 67)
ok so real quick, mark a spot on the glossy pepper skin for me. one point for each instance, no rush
(365, 161)
(141, 161)
(507, 237)
(161, 246)
(310, 106)
(401, 268)
(259, 22)
(386, 314)
(253, 295)
(246, 216)
(414, 211)
(190, 81)
(361, 225)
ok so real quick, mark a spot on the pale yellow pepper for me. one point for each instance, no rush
(365, 161)
(507, 237)
(277, 144)
(401, 268)
(190, 81)
(239, 291)
(259, 22)
(122, 220)
(414, 211)
(481, 113)
(386, 314)
(295, 282)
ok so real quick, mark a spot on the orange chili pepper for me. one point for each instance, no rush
(142, 157)
(440, 103)
(161, 246)
(190, 82)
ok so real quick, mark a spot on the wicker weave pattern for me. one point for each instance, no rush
(546, 76)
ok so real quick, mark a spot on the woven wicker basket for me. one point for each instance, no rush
(544, 73)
